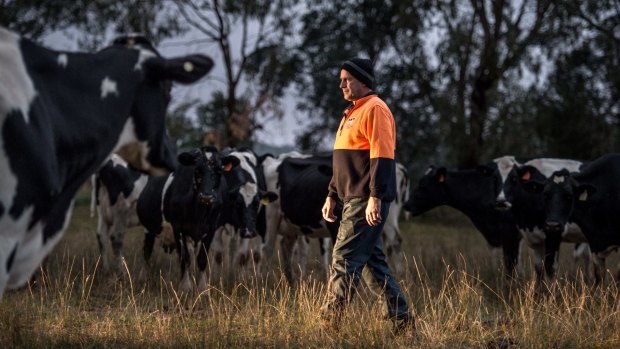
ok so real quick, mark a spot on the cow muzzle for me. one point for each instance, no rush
(503, 205)
(206, 199)
(553, 226)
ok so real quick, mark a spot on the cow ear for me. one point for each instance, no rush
(533, 186)
(441, 174)
(186, 159)
(229, 162)
(185, 70)
(585, 191)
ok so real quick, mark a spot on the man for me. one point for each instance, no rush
(364, 178)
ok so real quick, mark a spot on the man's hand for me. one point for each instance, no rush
(373, 211)
(328, 210)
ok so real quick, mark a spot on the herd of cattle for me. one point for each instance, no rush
(68, 116)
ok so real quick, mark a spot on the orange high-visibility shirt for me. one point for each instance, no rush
(364, 152)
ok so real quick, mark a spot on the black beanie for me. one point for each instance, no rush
(361, 68)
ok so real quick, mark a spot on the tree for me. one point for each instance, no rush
(260, 60)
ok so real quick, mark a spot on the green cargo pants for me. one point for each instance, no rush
(358, 249)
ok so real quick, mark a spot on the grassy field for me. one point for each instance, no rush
(451, 281)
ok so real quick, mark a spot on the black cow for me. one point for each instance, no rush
(61, 115)
(472, 192)
(301, 182)
(115, 194)
(529, 214)
(591, 199)
(188, 203)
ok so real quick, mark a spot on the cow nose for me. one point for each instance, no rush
(552, 226)
(503, 204)
(206, 199)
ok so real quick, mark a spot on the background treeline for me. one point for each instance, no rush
(467, 80)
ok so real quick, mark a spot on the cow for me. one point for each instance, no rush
(115, 194)
(62, 114)
(589, 198)
(245, 199)
(301, 181)
(529, 214)
(187, 203)
(471, 191)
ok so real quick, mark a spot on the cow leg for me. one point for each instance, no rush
(185, 286)
(511, 251)
(274, 222)
(302, 254)
(116, 239)
(287, 245)
(326, 254)
(392, 242)
(552, 248)
(582, 257)
(539, 254)
(102, 241)
(598, 260)
(217, 251)
(202, 259)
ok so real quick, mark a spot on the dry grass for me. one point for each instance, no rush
(451, 281)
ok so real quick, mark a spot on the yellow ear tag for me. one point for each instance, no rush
(526, 176)
(583, 196)
(228, 167)
(442, 178)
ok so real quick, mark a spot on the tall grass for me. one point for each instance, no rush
(451, 281)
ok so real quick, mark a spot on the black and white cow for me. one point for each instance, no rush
(471, 191)
(62, 114)
(188, 203)
(529, 213)
(115, 194)
(246, 196)
(591, 199)
(301, 182)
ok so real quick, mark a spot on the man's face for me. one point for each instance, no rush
(352, 89)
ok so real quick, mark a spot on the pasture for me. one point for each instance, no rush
(451, 281)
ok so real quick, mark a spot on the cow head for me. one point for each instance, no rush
(145, 143)
(206, 177)
(429, 193)
(517, 190)
(561, 192)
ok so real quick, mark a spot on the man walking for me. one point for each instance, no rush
(364, 178)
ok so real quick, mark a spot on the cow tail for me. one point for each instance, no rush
(93, 194)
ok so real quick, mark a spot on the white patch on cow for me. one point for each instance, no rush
(547, 166)
(32, 250)
(505, 165)
(17, 89)
(573, 233)
(108, 86)
(583, 196)
(558, 179)
(248, 191)
(134, 151)
(63, 60)
(16, 93)
(582, 251)
(209, 155)
(163, 194)
(142, 57)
